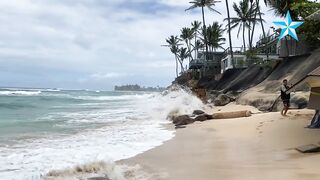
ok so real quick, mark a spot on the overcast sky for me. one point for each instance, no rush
(93, 44)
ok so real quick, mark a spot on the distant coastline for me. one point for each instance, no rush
(136, 87)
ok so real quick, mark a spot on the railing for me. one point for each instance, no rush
(235, 50)
(267, 40)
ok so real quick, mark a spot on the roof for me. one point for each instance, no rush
(315, 72)
(315, 16)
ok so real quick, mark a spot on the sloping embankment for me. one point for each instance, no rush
(237, 79)
(293, 69)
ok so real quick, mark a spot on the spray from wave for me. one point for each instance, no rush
(173, 101)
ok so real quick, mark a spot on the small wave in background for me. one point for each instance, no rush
(45, 131)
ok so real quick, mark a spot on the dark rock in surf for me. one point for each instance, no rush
(198, 112)
(182, 120)
(203, 117)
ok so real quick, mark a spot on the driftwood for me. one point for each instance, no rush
(182, 120)
(229, 115)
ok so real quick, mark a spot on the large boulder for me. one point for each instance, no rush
(182, 120)
(223, 100)
(203, 117)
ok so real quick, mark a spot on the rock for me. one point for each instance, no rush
(222, 100)
(198, 112)
(182, 120)
(180, 127)
(203, 117)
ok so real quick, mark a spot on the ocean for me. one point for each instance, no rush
(48, 129)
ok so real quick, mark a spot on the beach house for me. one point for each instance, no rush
(269, 48)
(208, 66)
(241, 60)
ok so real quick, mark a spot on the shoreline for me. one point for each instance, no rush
(261, 146)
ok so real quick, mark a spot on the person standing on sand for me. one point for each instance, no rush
(285, 96)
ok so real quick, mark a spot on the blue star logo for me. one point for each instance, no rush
(288, 27)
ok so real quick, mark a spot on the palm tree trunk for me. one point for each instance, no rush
(249, 30)
(204, 32)
(254, 22)
(189, 49)
(177, 73)
(229, 29)
(187, 43)
(181, 65)
(244, 39)
(264, 32)
(249, 39)
(195, 45)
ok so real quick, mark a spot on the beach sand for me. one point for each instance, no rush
(258, 147)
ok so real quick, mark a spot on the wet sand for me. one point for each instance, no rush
(256, 147)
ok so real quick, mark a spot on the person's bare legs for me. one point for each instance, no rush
(286, 108)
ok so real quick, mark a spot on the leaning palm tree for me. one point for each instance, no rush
(281, 7)
(187, 36)
(229, 32)
(173, 44)
(195, 28)
(202, 4)
(244, 16)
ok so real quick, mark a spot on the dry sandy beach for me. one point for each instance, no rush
(258, 147)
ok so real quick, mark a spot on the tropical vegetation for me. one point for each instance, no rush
(200, 37)
(202, 4)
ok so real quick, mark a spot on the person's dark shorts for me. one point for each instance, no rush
(286, 102)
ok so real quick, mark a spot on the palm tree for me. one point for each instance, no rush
(173, 44)
(195, 28)
(202, 4)
(229, 32)
(258, 11)
(215, 36)
(281, 7)
(187, 36)
(244, 16)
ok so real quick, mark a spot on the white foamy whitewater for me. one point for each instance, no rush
(44, 130)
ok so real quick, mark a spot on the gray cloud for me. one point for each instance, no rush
(49, 43)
